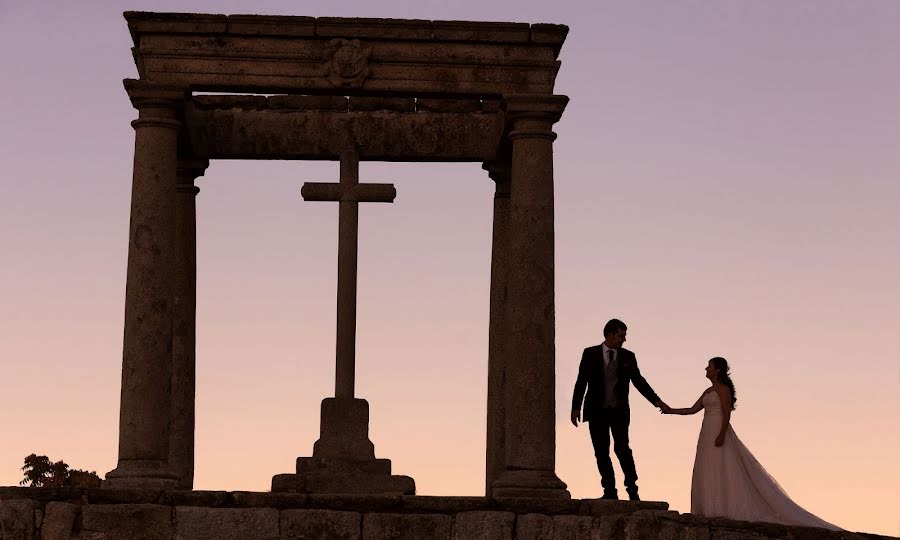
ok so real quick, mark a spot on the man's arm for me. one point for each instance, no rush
(580, 387)
(644, 387)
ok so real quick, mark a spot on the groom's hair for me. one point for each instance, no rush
(613, 326)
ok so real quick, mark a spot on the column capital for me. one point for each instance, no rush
(500, 171)
(546, 107)
(191, 167)
(144, 94)
(187, 171)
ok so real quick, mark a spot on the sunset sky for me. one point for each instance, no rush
(727, 182)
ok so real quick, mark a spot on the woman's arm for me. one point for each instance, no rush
(725, 402)
(693, 410)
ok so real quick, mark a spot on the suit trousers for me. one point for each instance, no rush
(601, 424)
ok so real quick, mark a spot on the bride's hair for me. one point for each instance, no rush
(725, 377)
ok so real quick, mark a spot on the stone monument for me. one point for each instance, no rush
(344, 458)
(340, 89)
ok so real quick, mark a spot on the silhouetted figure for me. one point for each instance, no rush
(606, 371)
(728, 481)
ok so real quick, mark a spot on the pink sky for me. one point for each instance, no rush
(726, 183)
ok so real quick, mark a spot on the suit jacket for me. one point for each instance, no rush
(591, 373)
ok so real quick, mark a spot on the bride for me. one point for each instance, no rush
(728, 481)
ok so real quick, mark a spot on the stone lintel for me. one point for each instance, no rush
(236, 133)
(271, 25)
(290, 102)
(384, 57)
(479, 31)
(308, 103)
(146, 22)
(448, 105)
(249, 103)
(382, 104)
(357, 27)
(143, 22)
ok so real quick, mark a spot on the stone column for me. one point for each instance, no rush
(499, 172)
(530, 412)
(184, 365)
(149, 292)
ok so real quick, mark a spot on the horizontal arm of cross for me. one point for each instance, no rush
(322, 191)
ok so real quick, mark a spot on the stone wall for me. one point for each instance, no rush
(119, 514)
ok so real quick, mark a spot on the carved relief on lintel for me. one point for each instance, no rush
(348, 63)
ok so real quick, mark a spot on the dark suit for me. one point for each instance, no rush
(603, 418)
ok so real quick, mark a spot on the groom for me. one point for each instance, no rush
(606, 371)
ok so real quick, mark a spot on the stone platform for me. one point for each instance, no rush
(119, 514)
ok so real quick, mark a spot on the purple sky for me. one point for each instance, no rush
(727, 182)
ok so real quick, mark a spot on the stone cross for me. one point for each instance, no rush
(349, 192)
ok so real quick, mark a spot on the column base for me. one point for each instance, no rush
(141, 474)
(343, 458)
(530, 484)
(344, 430)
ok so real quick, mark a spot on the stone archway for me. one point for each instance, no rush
(349, 90)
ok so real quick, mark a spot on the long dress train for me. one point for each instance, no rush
(729, 482)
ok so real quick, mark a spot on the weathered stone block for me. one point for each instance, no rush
(406, 527)
(359, 484)
(344, 428)
(281, 501)
(373, 28)
(480, 31)
(41, 494)
(382, 104)
(367, 503)
(192, 523)
(490, 105)
(128, 521)
(600, 507)
(309, 103)
(609, 527)
(140, 22)
(17, 519)
(271, 25)
(287, 483)
(445, 505)
(308, 465)
(641, 525)
(448, 105)
(483, 526)
(537, 506)
(124, 496)
(249, 103)
(320, 524)
(211, 499)
(724, 534)
(572, 527)
(696, 533)
(534, 527)
(549, 34)
(59, 521)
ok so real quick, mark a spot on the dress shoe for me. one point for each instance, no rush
(611, 495)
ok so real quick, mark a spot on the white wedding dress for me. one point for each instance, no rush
(729, 482)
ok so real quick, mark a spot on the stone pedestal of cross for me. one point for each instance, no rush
(343, 458)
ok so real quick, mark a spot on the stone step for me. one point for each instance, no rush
(362, 484)
(313, 465)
